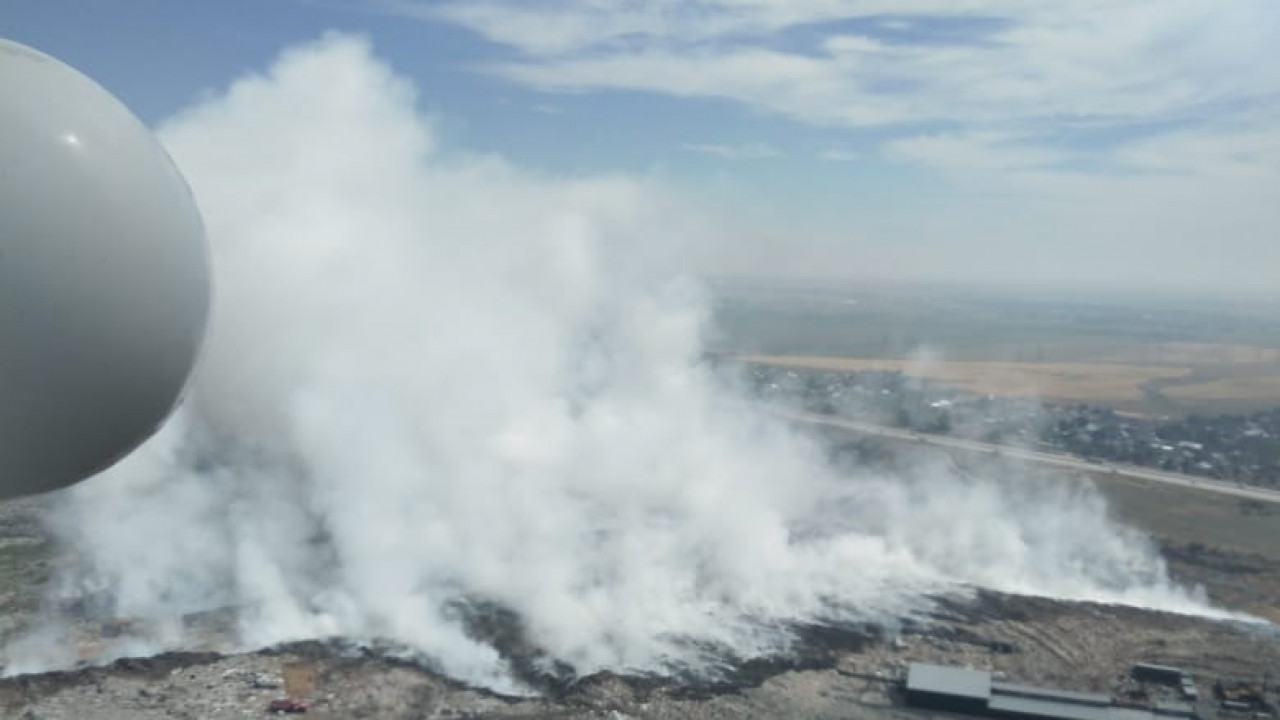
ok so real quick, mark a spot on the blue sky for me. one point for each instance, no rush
(926, 139)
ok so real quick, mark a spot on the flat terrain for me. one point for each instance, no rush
(1229, 545)
(1170, 386)
(1263, 386)
(1192, 354)
(1058, 460)
(1232, 548)
(1162, 360)
(1148, 356)
(1079, 381)
(838, 673)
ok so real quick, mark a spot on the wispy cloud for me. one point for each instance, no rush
(839, 154)
(1128, 127)
(972, 151)
(1106, 60)
(745, 151)
(1040, 68)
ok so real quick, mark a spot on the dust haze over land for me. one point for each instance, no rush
(432, 381)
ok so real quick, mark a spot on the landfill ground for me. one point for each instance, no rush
(840, 675)
(1233, 550)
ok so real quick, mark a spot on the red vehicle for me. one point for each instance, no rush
(287, 705)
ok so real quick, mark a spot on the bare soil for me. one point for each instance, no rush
(1071, 645)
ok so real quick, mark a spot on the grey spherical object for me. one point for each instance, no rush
(104, 276)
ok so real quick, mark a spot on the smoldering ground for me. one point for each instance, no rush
(434, 377)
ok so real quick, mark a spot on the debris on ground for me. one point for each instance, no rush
(287, 705)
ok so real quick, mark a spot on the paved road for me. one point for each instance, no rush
(1069, 462)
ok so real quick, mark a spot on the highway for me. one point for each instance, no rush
(1062, 460)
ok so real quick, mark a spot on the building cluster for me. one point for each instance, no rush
(1239, 448)
(1148, 692)
(1243, 448)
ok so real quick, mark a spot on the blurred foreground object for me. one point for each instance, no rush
(104, 276)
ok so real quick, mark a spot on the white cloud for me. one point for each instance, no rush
(1093, 59)
(840, 154)
(967, 152)
(744, 151)
(1251, 153)
(566, 27)
(1101, 108)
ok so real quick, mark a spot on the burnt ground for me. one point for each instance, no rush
(837, 672)
(842, 673)
(25, 562)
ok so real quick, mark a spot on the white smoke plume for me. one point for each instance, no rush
(441, 377)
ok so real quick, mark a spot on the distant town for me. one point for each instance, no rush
(1239, 448)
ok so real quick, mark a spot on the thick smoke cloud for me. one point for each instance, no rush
(432, 380)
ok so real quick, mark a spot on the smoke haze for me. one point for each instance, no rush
(437, 377)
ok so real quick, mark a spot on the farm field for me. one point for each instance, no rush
(1244, 388)
(1172, 381)
(1058, 381)
(1145, 357)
